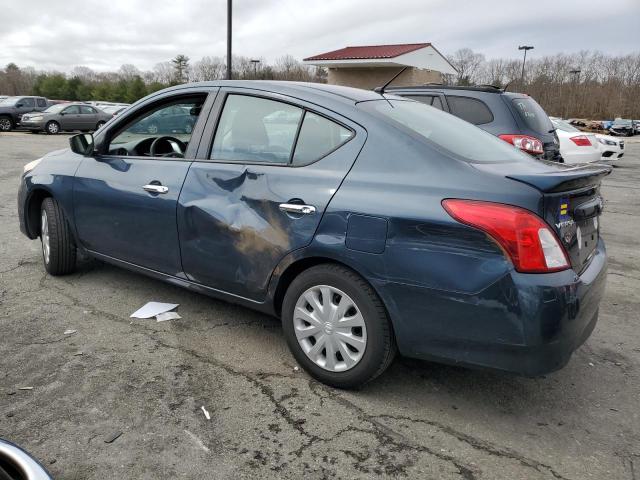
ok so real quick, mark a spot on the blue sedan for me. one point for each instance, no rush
(370, 224)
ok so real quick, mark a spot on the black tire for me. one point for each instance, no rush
(52, 128)
(6, 124)
(380, 346)
(62, 248)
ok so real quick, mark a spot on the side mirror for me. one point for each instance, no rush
(19, 105)
(82, 144)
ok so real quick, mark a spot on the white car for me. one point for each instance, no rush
(611, 148)
(576, 146)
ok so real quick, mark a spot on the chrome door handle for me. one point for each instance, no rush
(156, 188)
(297, 208)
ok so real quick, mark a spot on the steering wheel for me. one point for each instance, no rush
(175, 147)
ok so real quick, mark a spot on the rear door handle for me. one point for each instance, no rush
(156, 188)
(297, 208)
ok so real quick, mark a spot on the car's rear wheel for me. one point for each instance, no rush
(152, 129)
(337, 327)
(52, 127)
(58, 245)
(6, 124)
(99, 125)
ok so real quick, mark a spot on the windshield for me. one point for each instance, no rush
(56, 108)
(9, 101)
(532, 115)
(445, 131)
(564, 126)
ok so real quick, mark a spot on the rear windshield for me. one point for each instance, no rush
(532, 115)
(445, 131)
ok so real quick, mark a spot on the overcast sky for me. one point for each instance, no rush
(103, 34)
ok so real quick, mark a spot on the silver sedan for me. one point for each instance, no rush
(65, 116)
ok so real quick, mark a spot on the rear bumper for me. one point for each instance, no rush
(528, 324)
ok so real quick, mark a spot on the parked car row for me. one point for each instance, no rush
(618, 127)
(368, 222)
(53, 116)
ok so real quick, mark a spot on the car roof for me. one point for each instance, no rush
(335, 92)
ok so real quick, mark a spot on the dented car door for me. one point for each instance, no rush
(262, 189)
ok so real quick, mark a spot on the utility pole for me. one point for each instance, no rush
(255, 67)
(525, 48)
(576, 79)
(229, 2)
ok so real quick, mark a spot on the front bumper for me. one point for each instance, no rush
(32, 125)
(528, 324)
(22, 202)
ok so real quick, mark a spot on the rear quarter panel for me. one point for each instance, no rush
(432, 268)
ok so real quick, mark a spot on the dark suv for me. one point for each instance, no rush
(514, 117)
(12, 109)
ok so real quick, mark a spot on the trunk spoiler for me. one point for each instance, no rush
(564, 180)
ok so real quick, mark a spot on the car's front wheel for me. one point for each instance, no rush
(58, 245)
(337, 327)
(99, 125)
(6, 124)
(52, 127)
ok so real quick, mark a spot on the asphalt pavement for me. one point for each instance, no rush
(121, 398)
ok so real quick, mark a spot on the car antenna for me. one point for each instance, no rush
(380, 90)
(505, 87)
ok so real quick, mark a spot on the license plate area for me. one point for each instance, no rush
(575, 217)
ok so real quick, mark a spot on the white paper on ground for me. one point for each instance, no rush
(163, 317)
(152, 309)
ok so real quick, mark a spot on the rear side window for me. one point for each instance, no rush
(532, 115)
(87, 110)
(318, 137)
(27, 102)
(470, 109)
(41, 102)
(253, 129)
(432, 100)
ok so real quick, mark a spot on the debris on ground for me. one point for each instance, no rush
(77, 354)
(163, 317)
(295, 369)
(206, 413)
(25, 388)
(112, 438)
(151, 309)
(70, 331)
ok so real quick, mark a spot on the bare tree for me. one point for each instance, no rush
(208, 68)
(468, 64)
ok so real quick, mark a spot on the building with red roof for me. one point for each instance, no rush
(373, 65)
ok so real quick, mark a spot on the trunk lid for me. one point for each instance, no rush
(571, 205)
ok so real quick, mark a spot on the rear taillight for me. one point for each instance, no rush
(525, 237)
(524, 142)
(581, 141)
